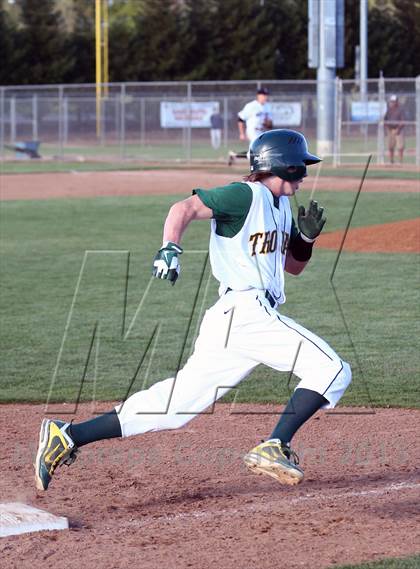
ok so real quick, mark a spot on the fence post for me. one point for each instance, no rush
(12, 119)
(338, 119)
(142, 121)
(189, 122)
(381, 128)
(60, 120)
(122, 121)
(34, 116)
(418, 120)
(102, 119)
(225, 122)
(117, 127)
(65, 120)
(2, 120)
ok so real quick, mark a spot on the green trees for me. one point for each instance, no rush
(9, 48)
(245, 41)
(44, 57)
(52, 41)
(394, 39)
(156, 46)
(81, 43)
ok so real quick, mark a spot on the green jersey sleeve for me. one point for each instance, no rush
(230, 205)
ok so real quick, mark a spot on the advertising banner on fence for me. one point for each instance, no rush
(181, 115)
(369, 111)
(286, 114)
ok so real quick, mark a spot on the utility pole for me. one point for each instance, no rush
(363, 49)
(326, 53)
(101, 57)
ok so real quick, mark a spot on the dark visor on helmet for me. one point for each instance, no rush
(311, 159)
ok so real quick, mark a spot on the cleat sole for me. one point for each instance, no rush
(283, 474)
(43, 438)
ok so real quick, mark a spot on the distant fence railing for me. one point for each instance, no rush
(170, 120)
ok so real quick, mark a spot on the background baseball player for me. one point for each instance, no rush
(216, 126)
(394, 122)
(254, 119)
(253, 241)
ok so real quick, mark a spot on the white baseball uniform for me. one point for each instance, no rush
(250, 233)
(254, 114)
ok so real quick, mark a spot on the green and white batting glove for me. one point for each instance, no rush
(166, 264)
(310, 221)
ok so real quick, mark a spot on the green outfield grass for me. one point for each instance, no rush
(405, 563)
(176, 148)
(43, 245)
(359, 144)
(40, 167)
(37, 167)
(117, 156)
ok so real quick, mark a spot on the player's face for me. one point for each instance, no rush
(261, 98)
(279, 187)
(284, 188)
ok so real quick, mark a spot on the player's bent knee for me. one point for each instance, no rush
(347, 374)
(338, 386)
(344, 377)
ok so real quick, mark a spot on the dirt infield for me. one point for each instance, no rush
(184, 499)
(91, 184)
(396, 237)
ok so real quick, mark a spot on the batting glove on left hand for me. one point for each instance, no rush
(310, 221)
(166, 264)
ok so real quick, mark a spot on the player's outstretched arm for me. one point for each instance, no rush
(241, 128)
(180, 216)
(166, 263)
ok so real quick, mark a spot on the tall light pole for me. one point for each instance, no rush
(325, 83)
(101, 57)
(326, 53)
(105, 46)
(363, 48)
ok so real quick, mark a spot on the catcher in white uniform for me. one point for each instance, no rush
(254, 240)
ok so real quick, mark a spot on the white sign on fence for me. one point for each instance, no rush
(369, 111)
(286, 114)
(181, 115)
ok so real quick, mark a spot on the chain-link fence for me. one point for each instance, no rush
(160, 121)
(361, 127)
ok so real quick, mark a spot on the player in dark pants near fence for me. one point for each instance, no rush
(394, 122)
(254, 241)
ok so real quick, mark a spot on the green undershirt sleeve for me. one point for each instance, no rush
(230, 205)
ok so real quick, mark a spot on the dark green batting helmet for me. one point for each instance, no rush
(281, 152)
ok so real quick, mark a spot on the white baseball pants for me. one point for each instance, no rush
(239, 332)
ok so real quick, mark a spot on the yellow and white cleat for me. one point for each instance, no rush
(55, 448)
(277, 460)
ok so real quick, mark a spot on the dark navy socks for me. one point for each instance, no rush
(301, 406)
(105, 426)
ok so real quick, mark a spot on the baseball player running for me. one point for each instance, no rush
(254, 241)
